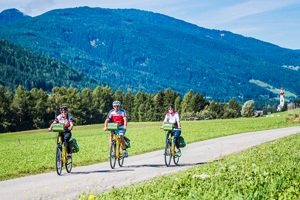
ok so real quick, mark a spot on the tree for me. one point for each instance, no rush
(128, 105)
(5, 110)
(248, 109)
(178, 104)
(198, 102)
(20, 105)
(187, 102)
(159, 105)
(233, 104)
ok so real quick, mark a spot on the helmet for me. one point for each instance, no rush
(171, 106)
(116, 103)
(65, 108)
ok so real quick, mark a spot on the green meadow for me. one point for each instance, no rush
(36, 151)
(268, 171)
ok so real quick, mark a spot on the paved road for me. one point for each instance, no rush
(100, 177)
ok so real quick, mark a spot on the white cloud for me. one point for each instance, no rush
(38, 6)
(231, 13)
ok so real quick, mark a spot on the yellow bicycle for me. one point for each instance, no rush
(61, 156)
(116, 151)
(170, 151)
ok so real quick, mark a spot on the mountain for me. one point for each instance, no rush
(12, 15)
(146, 51)
(19, 66)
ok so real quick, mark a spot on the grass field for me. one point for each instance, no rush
(36, 153)
(268, 171)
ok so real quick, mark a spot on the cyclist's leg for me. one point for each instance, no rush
(176, 138)
(167, 136)
(121, 135)
(66, 138)
(111, 137)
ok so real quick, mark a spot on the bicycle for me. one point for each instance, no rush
(170, 150)
(61, 156)
(116, 151)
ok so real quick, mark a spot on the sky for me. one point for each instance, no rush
(274, 21)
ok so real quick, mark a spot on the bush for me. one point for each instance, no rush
(248, 109)
(187, 115)
(206, 113)
(230, 113)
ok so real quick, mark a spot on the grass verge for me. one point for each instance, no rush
(36, 151)
(268, 171)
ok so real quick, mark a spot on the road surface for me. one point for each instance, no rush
(100, 177)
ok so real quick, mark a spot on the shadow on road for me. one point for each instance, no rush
(162, 165)
(103, 171)
(137, 166)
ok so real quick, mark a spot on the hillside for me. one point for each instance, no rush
(19, 66)
(11, 15)
(144, 51)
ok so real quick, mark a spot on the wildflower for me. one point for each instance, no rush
(242, 162)
(63, 191)
(33, 189)
(203, 176)
(67, 187)
(91, 197)
(24, 191)
(54, 193)
(87, 187)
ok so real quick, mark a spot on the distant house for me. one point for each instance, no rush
(258, 112)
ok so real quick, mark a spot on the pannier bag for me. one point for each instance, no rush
(58, 127)
(127, 142)
(73, 145)
(113, 126)
(168, 127)
(181, 142)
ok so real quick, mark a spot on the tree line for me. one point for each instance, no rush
(36, 109)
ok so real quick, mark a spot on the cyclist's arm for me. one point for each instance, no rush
(105, 124)
(71, 126)
(51, 126)
(125, 122)
(178, 124)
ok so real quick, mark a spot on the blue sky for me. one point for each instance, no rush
(274, 21)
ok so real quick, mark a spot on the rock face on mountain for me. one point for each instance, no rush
(146, 51)
(12, 15)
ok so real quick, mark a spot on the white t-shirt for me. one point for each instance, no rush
(172, 119)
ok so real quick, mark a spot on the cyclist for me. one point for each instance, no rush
(66, 119)
(119, 116)
(173, 118)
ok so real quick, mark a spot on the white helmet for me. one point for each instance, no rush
(116, 103)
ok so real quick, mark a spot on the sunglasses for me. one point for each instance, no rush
(170, 108)
(63, 111)
(116, 106)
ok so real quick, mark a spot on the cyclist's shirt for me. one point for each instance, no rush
(117, 117)
(172, 118)
(60, 119)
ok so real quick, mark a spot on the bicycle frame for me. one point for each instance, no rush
(118, 143)
(173, 145)
(64, 150)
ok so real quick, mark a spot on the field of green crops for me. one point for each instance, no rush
(36, 151)
(268, 171)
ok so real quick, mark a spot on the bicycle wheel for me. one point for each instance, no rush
(175, 158)
(69, 165)
(168, 154)
(58, 163)
(121, 156)
(112, 154)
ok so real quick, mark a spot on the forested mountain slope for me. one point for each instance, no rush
(19, 66)
(145, 53)
(262, 50)
(11, 15)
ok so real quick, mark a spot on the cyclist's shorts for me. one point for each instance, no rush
(120, 131)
